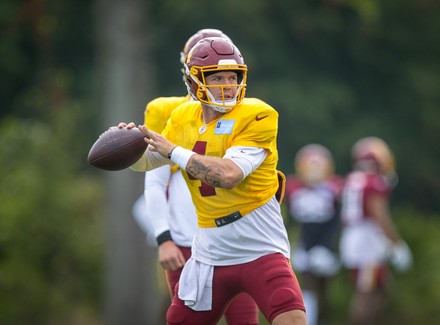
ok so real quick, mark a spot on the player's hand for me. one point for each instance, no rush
(401, 257)
(122, 125)
(157, 142)
(170, 256)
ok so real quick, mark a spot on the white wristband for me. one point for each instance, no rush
(181, 156)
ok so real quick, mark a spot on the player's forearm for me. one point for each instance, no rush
(380, 212)
(156, 183)
(214, 171)
(389, 229)
(149, 161)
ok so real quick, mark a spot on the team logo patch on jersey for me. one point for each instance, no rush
(224, 127)
(202, 129)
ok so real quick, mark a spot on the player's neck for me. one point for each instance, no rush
(209, 115)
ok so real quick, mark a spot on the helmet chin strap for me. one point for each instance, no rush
(194, 97)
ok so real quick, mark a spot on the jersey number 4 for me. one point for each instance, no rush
(205, 189)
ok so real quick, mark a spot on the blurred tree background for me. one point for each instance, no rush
(336, 70)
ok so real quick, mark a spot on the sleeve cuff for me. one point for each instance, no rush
(163, 237)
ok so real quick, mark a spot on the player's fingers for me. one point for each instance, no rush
(180, 260)
(150, 142)
(153, 135)
(170, 265)
(143, 129)
(178, 263)
(173, 267)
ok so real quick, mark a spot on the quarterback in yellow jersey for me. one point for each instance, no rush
(227, 147)
(252, 123)
(166, 211)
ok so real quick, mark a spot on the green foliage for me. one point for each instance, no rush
(51, 227)
(40, 40)
(51, 250)
(415, 297)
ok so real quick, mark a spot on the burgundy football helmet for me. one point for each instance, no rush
(374, 152)
(211, 55)
(201, 34)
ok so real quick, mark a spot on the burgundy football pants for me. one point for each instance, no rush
(269, 280)
(241, 311)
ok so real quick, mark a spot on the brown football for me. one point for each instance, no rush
(117, 149)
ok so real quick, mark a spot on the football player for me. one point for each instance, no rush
(168, 208)
(313, 202)
(225, 144)
(370, 239)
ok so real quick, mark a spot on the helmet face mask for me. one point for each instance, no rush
(209, 56)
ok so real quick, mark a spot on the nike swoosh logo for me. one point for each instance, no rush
(259, 118)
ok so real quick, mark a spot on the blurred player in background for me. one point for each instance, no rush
(171, 212)
(370, 240)
(313, 201)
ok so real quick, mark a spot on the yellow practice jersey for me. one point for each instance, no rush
(252, 123)
(158, 111)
